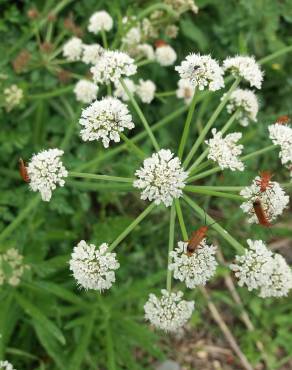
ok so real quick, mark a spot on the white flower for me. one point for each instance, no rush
(202, 72)
(165, 55)
(246, 68)
(93, 268)
(185, 90)
(273, 200)
(255, 266)
(111, 66)
(181, 6)
(146, 90)
(85, 91)
(104, 120)
(72, 50)
(170, 312)
(145, 50)
(11, 267)
(247, 103)
(225, 151)
(161, 178)
(13, 96)
(195, 269)
(282, 135)
(45, 171)
(121, 93)
(280, 281)
(132, 37)
(5, 365)
(92, 53)
(100, 21)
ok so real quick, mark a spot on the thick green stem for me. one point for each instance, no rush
(141, 115)
(210, 221)
(132, 146)
(95, 186)
(187, 125)
(210, 123)
(277, 54)
(170, 245)
(51, 94)
(100, 177)
(127, 231)
(203, 190)
(145, 62)
(181, 220)
(104, 39)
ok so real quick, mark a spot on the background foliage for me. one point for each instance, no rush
(46, 323)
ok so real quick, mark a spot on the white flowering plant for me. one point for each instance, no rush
(150, 177)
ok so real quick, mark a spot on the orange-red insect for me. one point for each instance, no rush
(159, 43)
(264, 182)
(260, 213)
(23, 170)
(283, 120)
(196, 238)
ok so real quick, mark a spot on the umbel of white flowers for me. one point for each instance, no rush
(282, 135)
(185, 90)
(93, 268)
(165, 55)
(104, 120)
(91, 53)
(5, 365)
(161, 178)
(273, 200)
(85, 91)
(46, 171)
(169, 312)
(195, 269)
(100, 21)
(11, 267)
(72, 49)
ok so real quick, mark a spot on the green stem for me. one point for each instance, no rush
(211, 121)
(217, 188)
(278, 53)
(95, 186)
(145, 62)
(202, 190)
(181, 220)
(50, 94)
(100, 177)
(21, 216)
(104, 39)
(132, 146)
(165, 93)
(127, 231)
(186, 130)
(141, 115)
(258, 152)
(170, 245)
(210, 221)
(109, 89)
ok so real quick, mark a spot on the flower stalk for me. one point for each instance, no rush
(170, 245)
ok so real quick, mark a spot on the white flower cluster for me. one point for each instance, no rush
(225, 151)
(93, 268)
(165, 55)
(92, 53)
(246, 102)
(146, 91)
(85, 91)
(202, 72)
(161, 178)
(170, 312)
(72, 49)
(111, 66)
(195, 269)
(282, 135)
(104, 120)
(182, 6)
(5, 365)
(260, 269)
(120, 91)
(100, 21)
(273, 200)
(11, 267)
(246, 68)
(145, 50)
(132, 37)
(13, 96)
(185, 90)
(45, 171)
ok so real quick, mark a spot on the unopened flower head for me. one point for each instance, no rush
(202, 72)
(132, 37)
(171, 31)
(120, 91)
(5, 365)
(169, 312)
(165, 55)
(245, 101)
(182, 6)
(104, 120)
(146, 91)
(85, 91)
(13, 96)
(92, 53)
(195, 269)
(93, 268)
(185, 90)
(282, 135)
(161, 178)
(255, 266)
(11, 267)
(113, 65)
(273, 200)
(46, 171)
(72, 50)
(246, 68)
(146, 51)
(100, 21)
(225, 151)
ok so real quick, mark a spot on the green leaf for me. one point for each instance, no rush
(191, 31)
